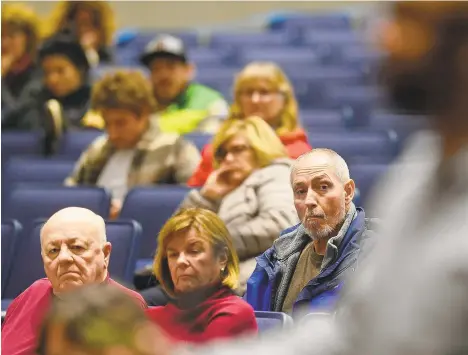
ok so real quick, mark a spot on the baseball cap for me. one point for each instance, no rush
(164, 46)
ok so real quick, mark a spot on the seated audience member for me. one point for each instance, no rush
(249, 188)
(98, 319)
(75, 252)
(91, 22)
(197, 265)
(262, 89)
(183, 106)
(134, 152)
(62, 99)
(20, 40)
(305, 268)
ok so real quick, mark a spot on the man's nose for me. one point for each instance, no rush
(311, 199)
(65, 255)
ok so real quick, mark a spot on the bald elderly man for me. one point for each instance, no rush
(304, 269)
(75, 252)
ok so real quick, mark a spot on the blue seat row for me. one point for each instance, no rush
(22, 262)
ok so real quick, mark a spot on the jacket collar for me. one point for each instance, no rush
(293, 240)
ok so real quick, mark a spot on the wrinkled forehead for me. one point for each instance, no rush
(313, 166)
(71, 230)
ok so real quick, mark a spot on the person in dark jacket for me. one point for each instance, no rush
(61, 99)
(20, 37)
(305, 268)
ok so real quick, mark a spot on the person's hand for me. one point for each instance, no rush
(7, 61)
(217, 185)
(90, 40)
(116, 206)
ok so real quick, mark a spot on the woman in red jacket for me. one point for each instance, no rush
(197, 266)
(262, 89)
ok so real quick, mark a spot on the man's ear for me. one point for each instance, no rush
(349, 188)
(191, 71)
(106, 249)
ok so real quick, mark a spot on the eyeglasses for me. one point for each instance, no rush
(222, 153)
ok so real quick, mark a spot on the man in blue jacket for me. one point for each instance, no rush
(305, 268)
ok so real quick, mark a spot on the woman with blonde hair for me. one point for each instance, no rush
(197, 266)
(92, 22)
(20, 39)
(262, 89)
(249, 188)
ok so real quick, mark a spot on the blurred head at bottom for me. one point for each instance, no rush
(97, 320)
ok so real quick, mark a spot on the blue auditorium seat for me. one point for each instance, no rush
(29, 203)
(365, 176)
(356, 101)
(125, 237)
(11, 231)
(318, 119)
(41, 170)
(357, 146)
(206, 57)
(28, 266)
(246, 40)
(403, 125)
(151, 207)
(272, 320)
(325, 21)
(310, 82)
(75, 142)
(21, 143)
(199, 139)
(283, 56)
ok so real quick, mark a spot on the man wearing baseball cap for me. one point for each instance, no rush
(183, 106)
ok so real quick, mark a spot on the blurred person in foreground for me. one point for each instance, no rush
(197, 266)
(410, 296)
(20, 41)
(91, 22)
(249, 190)
(183, 106)
(305, 268)
(134, 152)
(98, 320)
(75, 252)
(262, 89)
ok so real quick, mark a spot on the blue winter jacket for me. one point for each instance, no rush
(279, 262)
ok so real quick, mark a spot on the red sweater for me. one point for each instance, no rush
(24, 316)
(295, 143)
(223, 315)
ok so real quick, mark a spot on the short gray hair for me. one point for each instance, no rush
(336, 161)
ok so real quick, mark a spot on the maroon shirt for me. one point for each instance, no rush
(222, 315)
(24, 316)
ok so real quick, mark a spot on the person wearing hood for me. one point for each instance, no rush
(262, 89)
(20, 39)
(61, 100)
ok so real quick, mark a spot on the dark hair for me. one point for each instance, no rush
(94, 317)
(67, 45)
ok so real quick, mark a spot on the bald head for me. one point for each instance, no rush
(77, 216)
(74, 249)
(326, 158)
